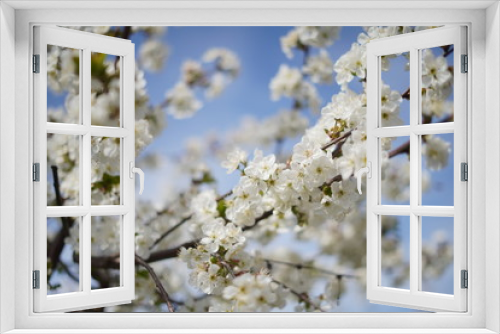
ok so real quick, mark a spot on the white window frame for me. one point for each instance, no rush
(86, 43)
(483, 21)
(414, 297)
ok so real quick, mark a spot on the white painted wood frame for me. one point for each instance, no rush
(414, 43)
(86, 43)
(17, 19)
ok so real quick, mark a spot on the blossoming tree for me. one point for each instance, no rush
(205, 251)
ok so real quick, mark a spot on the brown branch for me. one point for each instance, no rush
(403, 148)
(180, 223)
(159, 286)
(448, 50)
(339, 292)
(406, 94)
(337, 140)
(265, 215)
(309, 267)
(170, 231)
(56, 247)
(336, 178)
(69, 273)
(337, 152)
(170, 252)
(113, 262)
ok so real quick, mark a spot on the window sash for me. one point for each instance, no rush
(93, 16)
(86, 297)
(413, 298)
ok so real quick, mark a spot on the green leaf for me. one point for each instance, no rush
(142, 273)
(207, 178)
(221, 208)
(107, 183)
(327, 190)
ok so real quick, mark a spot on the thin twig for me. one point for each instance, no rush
(406, 94)
(226, 265)
(448, 52)
(339, 282)
(263, 216)
(403, 148)
(159, 286)
(57, 245)
(169, 231)
(336, 178)
(337, 140)
(68, 272)
(181, 222)
(309, 267)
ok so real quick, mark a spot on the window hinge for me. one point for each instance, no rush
(465, 64)
(36, 279)
(464, 279)
(464, 171)
(36, 63)
(36, 172)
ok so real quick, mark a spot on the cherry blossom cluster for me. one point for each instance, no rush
(181, 101)
(307, 194)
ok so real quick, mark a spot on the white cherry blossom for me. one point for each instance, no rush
(182, 102)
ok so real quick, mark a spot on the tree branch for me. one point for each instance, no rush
(337, 140)
(309, 267)
(111, 261)
(182, 222)
(448, 50)
(57, 245)
(170, 231)
(403, 148)
(265, 215)
(159, 286)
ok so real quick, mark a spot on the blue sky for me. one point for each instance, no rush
(260, 54)
(259, 51)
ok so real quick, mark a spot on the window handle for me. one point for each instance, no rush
(132, 170)
(359, 174)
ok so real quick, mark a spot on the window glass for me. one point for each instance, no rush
(63, 255)
(63, 85)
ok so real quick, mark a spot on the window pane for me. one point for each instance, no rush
(437, 169)
(437, 84)
(105, 90)
(106, 154)
(106, 231)
(63, 255)
(63, 170)
(395, 170)
(395, 251)
(63, 85)
(437, 254)
(395, 90)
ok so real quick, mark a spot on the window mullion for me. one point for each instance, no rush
(86, 171)
(414, 172)
(107, 131)
(109, 210)
(66, 129)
